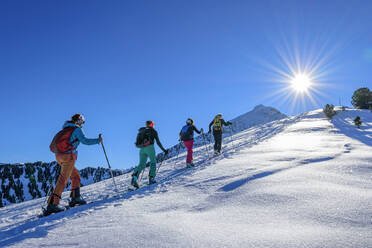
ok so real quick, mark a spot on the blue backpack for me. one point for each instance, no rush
(187, 133)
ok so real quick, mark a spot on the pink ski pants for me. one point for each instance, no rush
(189, 144)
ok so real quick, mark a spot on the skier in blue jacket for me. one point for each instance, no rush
(187, 136)
(67, 162)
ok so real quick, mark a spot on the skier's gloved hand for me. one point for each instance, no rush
(201, 130)
(100, 138)
(229, 123)
(166, 152)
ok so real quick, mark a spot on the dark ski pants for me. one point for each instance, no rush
(217, 140)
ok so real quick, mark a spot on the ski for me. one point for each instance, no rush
(141, 185)
(132, 188)
(45, 213)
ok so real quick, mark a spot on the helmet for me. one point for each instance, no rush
(79, 119)
(150, 123)
(190, 121)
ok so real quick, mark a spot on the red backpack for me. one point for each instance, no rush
(60, 142)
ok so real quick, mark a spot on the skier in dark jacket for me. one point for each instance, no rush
(217, 132)
(146, 143)
(187, 136)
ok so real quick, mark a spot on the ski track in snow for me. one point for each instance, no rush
(302, 181)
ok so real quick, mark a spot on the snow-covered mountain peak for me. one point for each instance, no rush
(259, 106)
(265, 109)
(259, 115)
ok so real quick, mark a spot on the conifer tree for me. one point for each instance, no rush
(362, 98)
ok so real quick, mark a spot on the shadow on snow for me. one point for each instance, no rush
(364, 134)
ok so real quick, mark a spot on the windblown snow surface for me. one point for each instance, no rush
(303, 181)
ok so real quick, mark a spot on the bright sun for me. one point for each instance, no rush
(301, 82)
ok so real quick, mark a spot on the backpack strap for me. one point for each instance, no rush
(72, 142)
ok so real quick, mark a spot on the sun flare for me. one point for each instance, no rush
(301, 70)
(301, 82)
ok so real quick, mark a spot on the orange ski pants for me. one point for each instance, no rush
(67, 163)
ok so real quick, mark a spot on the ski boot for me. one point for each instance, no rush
(52, 208)
(134, 182)
(76, 198)
(190, 165)
(152, 180)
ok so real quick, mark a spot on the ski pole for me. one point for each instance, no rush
(205, 145)
(178, 150)
(108, 163)
(208, 138)
(143, 171)
(157, 170)
(47, 195)
(50, 190)
(231, 136)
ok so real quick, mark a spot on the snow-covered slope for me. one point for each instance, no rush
(302, 181)
(23, 182)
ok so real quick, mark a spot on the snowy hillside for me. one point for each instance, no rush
(23, 182)
(302, 181)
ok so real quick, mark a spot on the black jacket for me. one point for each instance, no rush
(153, 135)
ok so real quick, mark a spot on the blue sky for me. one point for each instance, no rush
(123, 62)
